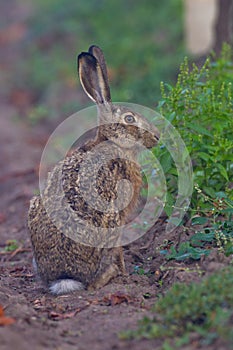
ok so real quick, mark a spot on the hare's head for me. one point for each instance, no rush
(119, 124)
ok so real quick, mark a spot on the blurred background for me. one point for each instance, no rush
(144, 43)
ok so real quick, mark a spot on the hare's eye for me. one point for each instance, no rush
(129, 119)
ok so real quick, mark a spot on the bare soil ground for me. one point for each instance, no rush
(82, 320)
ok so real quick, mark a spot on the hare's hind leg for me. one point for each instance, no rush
(111, 272)
(114, 269)
(121, 261)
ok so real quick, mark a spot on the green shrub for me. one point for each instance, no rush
(218, 233)
(205, 308)
(200, 107)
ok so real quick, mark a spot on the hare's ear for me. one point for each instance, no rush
(98, 54)
(93, 78)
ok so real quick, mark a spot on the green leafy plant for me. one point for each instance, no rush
(139, 270)
(219, 234)
(186, 251)
(205, 308)
(211, 231)
(219, 231)
(200, 106)
(11, 245)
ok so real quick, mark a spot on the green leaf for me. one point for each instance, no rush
(169, 204)
(161, 103)
(221, 195)
(200, 238)
(229, 249)
(199, 129)
(210, 191)
(171, 116)
(169, 87)
(166, 162)
(204, 156)
(222, 170)
(12, 245)
(199, 220)
(186, 251)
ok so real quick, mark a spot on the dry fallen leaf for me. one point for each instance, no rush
(5, 321)
(56, 316)
(12, 33)
(118, 298)
(2, 218)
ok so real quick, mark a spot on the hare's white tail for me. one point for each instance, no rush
(65, 286)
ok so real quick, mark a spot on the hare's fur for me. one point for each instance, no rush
(69, 259)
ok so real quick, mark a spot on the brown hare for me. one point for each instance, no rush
(75, 256)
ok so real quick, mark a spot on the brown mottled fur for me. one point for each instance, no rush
(62, 250)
